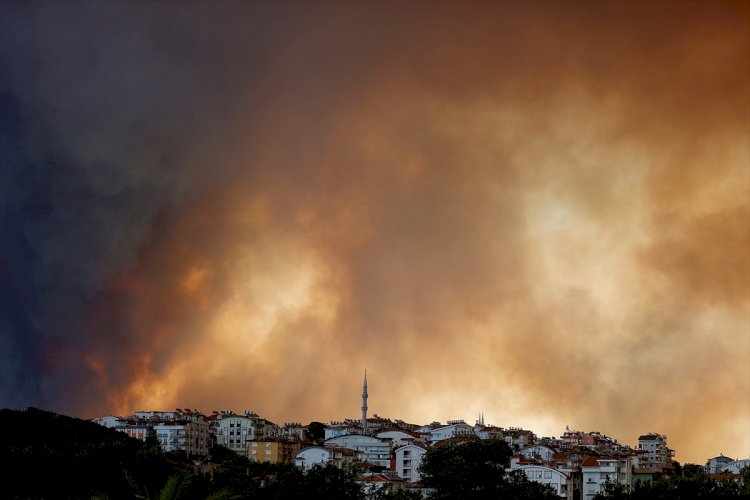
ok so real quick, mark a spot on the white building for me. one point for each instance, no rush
(538, 452)
(109, 421)
(454, 428)
(336, 429)
(716, 464)
(735, 467)
(189, 436)
(156, 415)
(408, 460)
(234, 431)
(518, 438)
(369, 448)
(560, 482)
(398, 437)
(596, 472)
(308, 457)
(489, 432)
(171, 436)
(290, 430)
(135, 430)
(657, 455)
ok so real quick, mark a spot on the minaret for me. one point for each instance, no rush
(364, 404)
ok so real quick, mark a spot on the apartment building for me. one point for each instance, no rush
(598, 471)
(273, 450)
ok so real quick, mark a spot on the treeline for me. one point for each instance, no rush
(50, 456)
(693, 485)
(46, 455)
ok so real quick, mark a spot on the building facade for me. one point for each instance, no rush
(596, 472)
(654, 453)
(560, 482)
(408, 458)
(234, 430)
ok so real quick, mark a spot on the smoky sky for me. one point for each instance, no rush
(536, 211)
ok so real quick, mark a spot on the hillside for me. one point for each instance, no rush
(55, 456)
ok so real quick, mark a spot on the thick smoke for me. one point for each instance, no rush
(536, 211)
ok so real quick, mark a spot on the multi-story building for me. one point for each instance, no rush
(735, 467)
(543, 454)
(716, 464)
(398, 437)
(308, 457)
(182, 430)
(234, 430)
(408, 458)
(343, 428)
(273, 450)
(110, 421)
(190, 436)
(369, 448)
(171, 436)
(518, 438)
(135, 429)
(654, 452)
(455, 428)
(560, 482)
(290, 430)
(489, 432)
(598, 471)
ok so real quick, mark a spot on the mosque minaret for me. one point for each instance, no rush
(364, 404)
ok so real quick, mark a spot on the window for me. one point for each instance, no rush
(407, 453)
(407, 472)
(548, 474)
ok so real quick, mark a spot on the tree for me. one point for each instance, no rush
(152, 443)
(465, 470)
(316, 432)
(328, 481)
(698, 487)
(476, 469)
(692, 470)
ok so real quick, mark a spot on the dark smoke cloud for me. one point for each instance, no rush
(538, 211)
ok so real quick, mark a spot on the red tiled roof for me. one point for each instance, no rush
(590, 462)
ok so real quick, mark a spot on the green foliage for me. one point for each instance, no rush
(694, 487)
(519, 487)
(476, 469)
(399, 494)
(54, 456)
(243, 478)
(176, 487)
(692, 470)
(328, 481)
(316, 431)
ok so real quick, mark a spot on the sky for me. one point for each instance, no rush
(535, 211)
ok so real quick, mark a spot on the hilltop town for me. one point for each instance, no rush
(576, 464)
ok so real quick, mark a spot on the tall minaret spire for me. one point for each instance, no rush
(364, 404)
